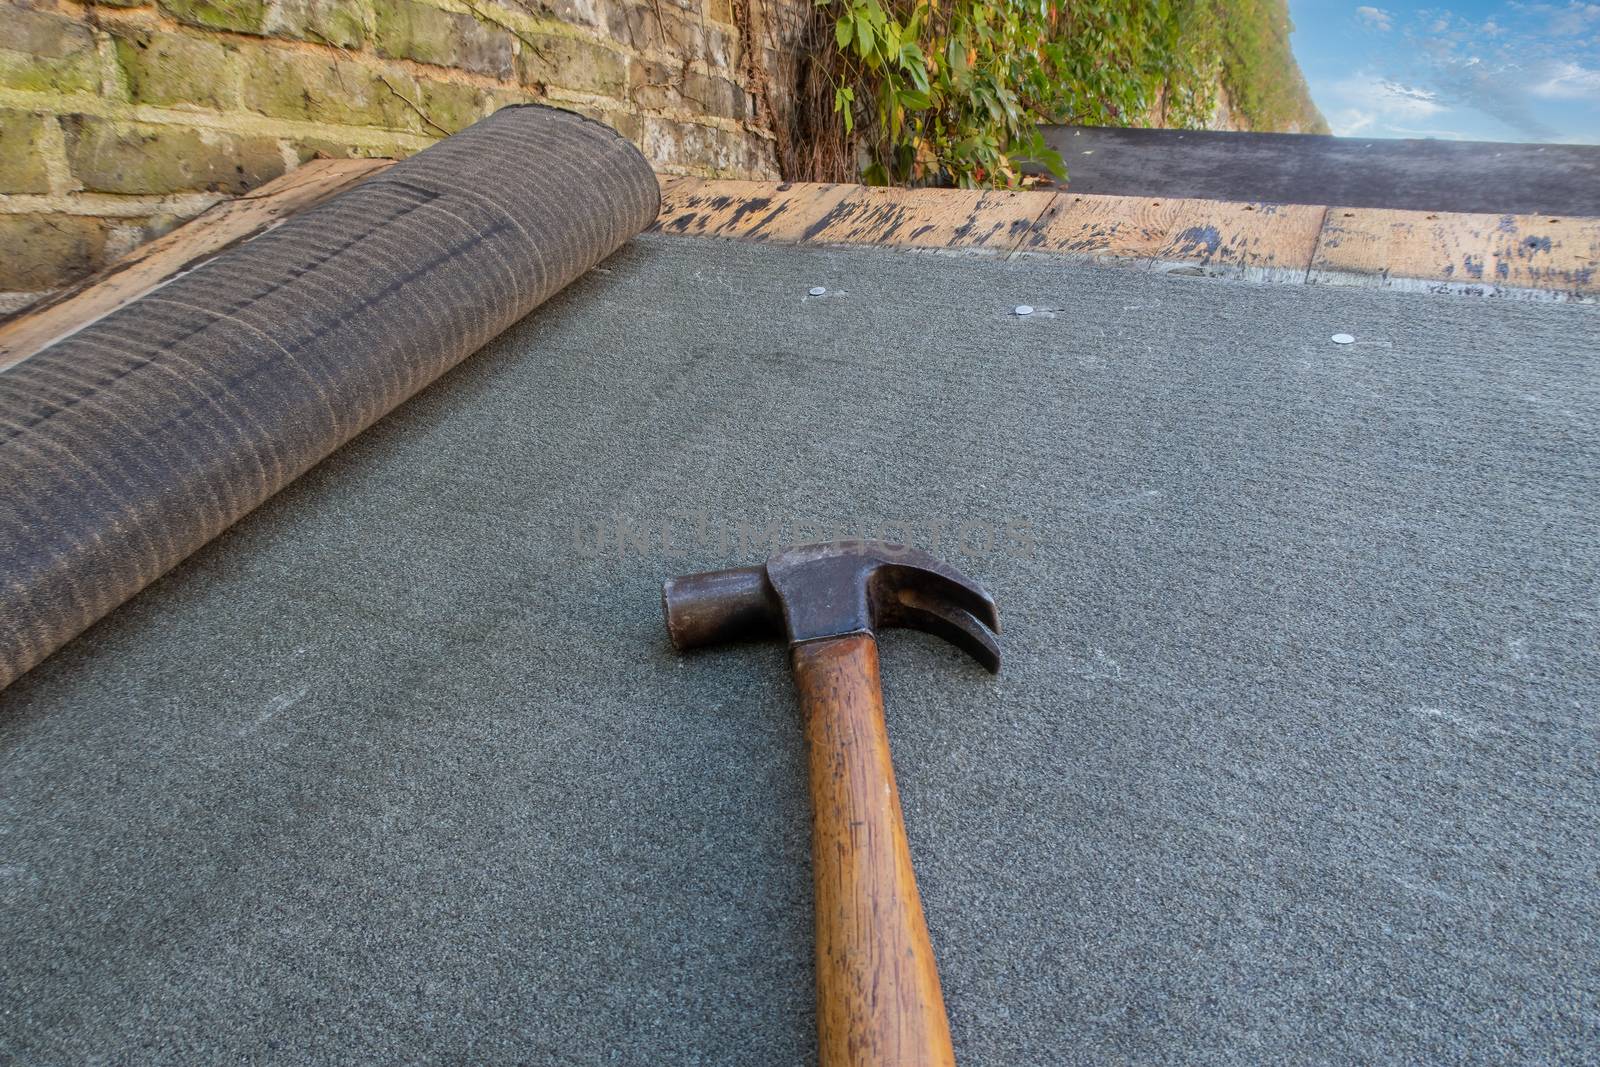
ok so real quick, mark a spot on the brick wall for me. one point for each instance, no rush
(121, 118)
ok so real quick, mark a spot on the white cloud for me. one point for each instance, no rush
(1420, 100)
(1432, 133)
(1433, 71)
(1574, 19)
(1385, 99)
(1375, 18)
(1350, 121)
(1569, 81)
(1367, 105)
(1497, 90)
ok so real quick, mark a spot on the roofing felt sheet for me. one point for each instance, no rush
(1293, 755)
(127, 445)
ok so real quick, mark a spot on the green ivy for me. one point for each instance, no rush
(952, 92)
(1266, 87)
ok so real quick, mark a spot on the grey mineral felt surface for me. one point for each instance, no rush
(1293, 755)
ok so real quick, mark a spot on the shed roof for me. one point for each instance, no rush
(1293, 753)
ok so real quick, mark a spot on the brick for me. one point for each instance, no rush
(322, 148)
(653, 84)
(681, 33)
(289, 85)
(716, 95)
(568, 63)
(124, 235)
(242, 16)
(22, 167)
(661, 86)
(571, 12)
(108, 157)
(495, 99)
(690, 144)
(166, 68)
(335, 22)
(630, 124)
(627, 123)
(47, 53)
(636, 26)
(719, 47)
(161, 224)
(452, 107)
(48, 251)
(455, 107)
(405, 29)
(41, 34)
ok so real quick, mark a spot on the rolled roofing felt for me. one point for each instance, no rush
(129, 444)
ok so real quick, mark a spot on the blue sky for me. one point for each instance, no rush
(1491, 70)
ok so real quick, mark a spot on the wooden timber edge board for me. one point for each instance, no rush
(214, 230)
(1526, 256)
(1539, 257)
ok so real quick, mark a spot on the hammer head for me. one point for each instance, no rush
(829, 590)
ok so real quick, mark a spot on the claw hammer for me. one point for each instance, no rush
(878, 999)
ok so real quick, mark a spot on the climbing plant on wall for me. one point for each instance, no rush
(953, 91)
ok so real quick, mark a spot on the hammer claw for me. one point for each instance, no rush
(955, 624)
(936, 582)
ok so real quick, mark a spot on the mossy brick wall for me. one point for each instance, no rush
(121, 118)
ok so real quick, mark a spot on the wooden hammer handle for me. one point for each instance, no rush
(878, 999)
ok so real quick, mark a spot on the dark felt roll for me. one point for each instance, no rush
(131, 443)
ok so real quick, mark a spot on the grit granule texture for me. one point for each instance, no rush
(1293, 755)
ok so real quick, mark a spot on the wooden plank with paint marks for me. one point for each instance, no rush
(185, 248)
(1266, 242)
(1099, 228)
(1558, 256)
(1260, 242)
(750, 211)
(972, 219)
